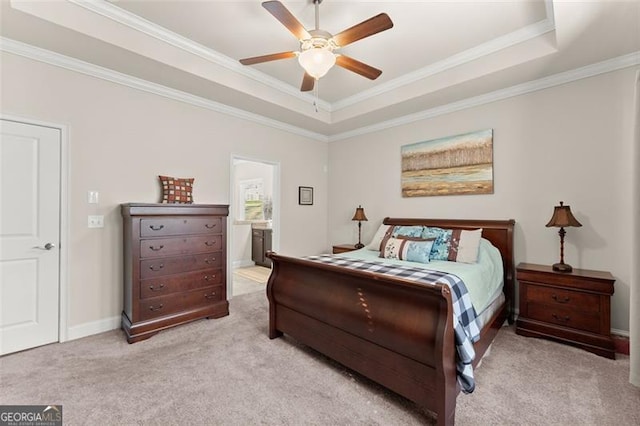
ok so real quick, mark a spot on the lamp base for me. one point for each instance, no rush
(359, 245)
(562, 267)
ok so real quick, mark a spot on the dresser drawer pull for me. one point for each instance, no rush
(557, 299)
(156, 228)
(210, 226)
(210, 243)
(557, 318)
(153, 268)
(160, 287)
(160, 306)
(208, 261)
(154, 248)
(210, 296)
(209, 277)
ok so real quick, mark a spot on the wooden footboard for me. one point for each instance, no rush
(395, 332)
(391, 330)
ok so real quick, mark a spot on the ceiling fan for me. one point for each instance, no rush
(318, 48)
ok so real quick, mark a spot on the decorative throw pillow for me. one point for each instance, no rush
(465, 246)
(407, 231)
(440, 249)
(376, 241)
(177, 190)
(413, 250)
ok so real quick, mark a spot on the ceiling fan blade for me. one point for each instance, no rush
(358, 67)
(307, 83)
(283, 15)
(364, 29)
(267, 58)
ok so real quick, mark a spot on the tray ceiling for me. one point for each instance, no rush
(438, 55)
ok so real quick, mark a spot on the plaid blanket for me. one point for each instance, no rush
(466, 326)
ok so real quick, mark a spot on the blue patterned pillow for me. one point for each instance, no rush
(442, 243)
(407, 231)
(407, 249)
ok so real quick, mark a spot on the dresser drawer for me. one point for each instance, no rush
(564, 316)
(177, 302)
(181, 245)
(560, 297)
(155, 287)
(160, 227)
(152, 268)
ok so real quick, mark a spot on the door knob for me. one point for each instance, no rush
(47, 246)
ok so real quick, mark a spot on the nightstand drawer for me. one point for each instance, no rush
(564, 298)
(564, 316)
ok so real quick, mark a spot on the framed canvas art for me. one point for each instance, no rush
(454, 165)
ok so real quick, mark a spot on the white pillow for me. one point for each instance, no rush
(376, 241)
(465, 246)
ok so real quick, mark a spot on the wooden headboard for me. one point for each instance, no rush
(498, 232)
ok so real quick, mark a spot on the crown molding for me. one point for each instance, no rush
(52, 58)
(614, 64)
(133, 21)
(124, 17)
(42, 55)
(497, 44)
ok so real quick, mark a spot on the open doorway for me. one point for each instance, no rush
(254, 224)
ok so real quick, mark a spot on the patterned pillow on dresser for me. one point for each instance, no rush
(177, 190)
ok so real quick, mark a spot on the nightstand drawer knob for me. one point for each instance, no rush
(564, 318)
(560, 300)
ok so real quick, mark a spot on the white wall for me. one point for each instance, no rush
(571, 143)
(121, 139)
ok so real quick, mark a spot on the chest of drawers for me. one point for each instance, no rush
(570, 307)
(174, 266)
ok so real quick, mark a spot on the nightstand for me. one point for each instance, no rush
(343, 248)
(569, 307)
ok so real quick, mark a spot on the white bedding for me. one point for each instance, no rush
(483, 279)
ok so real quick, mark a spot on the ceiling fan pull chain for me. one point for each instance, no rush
(315, 93)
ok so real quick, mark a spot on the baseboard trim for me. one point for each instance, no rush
(94, 327)
(621, 343)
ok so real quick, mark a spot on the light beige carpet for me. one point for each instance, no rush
(227, 372)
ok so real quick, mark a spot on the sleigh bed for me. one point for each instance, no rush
(394, 331)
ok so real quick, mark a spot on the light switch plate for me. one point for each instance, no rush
(93, 197)
(96, 221)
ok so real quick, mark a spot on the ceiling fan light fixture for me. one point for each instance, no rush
(317, 61)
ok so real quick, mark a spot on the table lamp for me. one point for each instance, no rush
(359, 216)
(562, 217)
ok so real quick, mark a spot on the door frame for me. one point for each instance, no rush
(63, 249)
(275, 219)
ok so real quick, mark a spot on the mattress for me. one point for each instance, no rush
(484, 279)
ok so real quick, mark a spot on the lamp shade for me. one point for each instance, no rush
(317, 61)
(359, 214)
(562, 217)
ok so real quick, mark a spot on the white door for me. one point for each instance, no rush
(29, 235)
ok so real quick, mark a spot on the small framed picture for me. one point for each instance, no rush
(305, 195)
